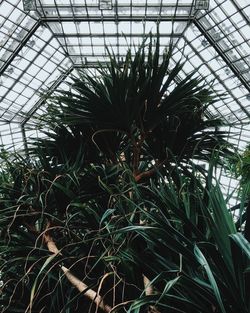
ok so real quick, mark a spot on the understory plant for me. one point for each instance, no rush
(111, 211)
(240, 168)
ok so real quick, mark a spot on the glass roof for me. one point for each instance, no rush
(42, 41)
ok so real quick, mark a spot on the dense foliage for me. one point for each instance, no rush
(110, 212)
(241, 167)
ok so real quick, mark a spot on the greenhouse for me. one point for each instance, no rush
(125, 156)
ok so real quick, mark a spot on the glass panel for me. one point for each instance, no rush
(37, 49)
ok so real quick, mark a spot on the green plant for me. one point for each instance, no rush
(241, 168)
(110, 213)
(134, 113)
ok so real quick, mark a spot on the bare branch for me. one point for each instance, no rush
(76, 282)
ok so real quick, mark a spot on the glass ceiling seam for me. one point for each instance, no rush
(227, 37)
(222, 55)
(149, 12)
(117, 28)
(77, 30)
(67, 55)
(138, 18)
(49, 91)
(241, 11)
(190, 16)
(219, 80)
(30, 33)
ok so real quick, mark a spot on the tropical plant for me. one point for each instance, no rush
(110, 213)
(134, 113)
(240, 168)
(240, 165)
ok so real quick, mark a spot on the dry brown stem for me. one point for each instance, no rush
(76, 282)
(150, 172)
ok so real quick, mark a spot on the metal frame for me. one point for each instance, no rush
(231, 65)
(194, 27)
(50, 90)
(135, 14)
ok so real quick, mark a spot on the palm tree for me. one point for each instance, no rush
(136, 113)
(110, 213)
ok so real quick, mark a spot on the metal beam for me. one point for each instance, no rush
(19, 48)
(41, 101)
(112, 35)
(221, 53)
(141, 5)
(220, 81)
(98, 18)
(241, 11)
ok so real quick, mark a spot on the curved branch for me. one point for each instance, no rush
(76, 282)
(150, 172)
